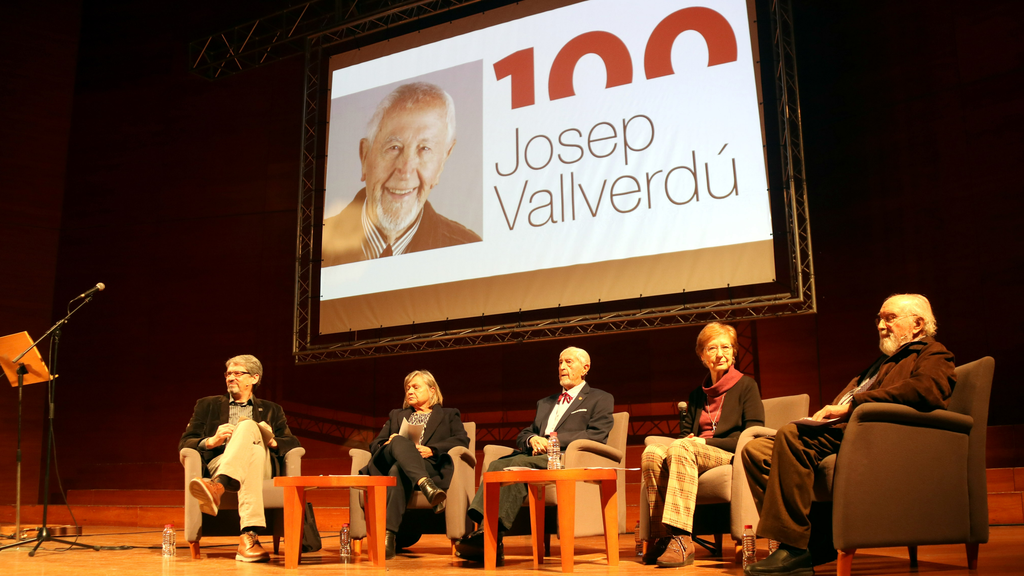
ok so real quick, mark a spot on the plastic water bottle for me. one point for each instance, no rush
(554, 453)
(749, 546)
(346, 545)
(773, 545)
(639, 543)
(168, 541)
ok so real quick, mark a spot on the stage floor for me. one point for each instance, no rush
(1003, 555)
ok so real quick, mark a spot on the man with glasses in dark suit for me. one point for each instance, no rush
(236, 434)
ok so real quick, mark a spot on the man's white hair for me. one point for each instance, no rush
(412, 95)
(918, 305)
(579, 353)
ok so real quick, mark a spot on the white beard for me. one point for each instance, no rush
(391, 220)
(891, 343)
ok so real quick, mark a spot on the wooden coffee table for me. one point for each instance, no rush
(295, 510)
(565, 483)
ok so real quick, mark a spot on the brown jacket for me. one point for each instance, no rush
(919, 375)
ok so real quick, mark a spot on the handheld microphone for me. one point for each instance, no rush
(93, 290)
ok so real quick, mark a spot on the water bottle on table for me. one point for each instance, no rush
(554, 453)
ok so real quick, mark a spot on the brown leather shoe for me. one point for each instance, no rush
(655, 548)
(208, 493)
(680, 552)
(249, 549)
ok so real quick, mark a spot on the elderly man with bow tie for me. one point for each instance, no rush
(576, 412)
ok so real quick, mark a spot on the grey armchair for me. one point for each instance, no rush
(226, 523)
(724, 503)
(909, 478)
(583, 454)
(460, 493)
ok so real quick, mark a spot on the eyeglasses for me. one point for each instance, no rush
(235, 374)
(725, 348)
(890, 318)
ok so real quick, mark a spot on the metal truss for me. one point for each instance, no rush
(331, 431)
(799, 300)
(283, 34)
(787, 92)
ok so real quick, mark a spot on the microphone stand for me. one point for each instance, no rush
(43, 534)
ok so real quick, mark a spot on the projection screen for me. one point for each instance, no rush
(601, 151)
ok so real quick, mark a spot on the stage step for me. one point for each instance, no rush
(1005, 496)
(126, 497)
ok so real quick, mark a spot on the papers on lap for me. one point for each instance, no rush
(411, 431)
(809, 422)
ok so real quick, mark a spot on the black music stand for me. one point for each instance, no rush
(31, 366)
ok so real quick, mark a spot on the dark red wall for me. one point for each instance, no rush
(181, 197)
(37, 75)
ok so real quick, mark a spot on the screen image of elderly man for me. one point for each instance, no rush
(408, 140)
(575, 412)
(914, 370)
(236, 434)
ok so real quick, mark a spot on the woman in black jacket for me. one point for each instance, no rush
(726, 404)
(420, 462)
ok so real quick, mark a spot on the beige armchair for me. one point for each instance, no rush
(909, 478)
(583, 454)
(419, 513)
(226, 522)
(724, 503)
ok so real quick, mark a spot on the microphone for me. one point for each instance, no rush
(93, 290)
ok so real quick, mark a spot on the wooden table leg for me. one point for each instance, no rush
(492, 491)
(566, 522)
(376, 522)
(609, 503)
(294, 510)
(537, 523)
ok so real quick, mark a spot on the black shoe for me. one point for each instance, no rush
(390, 545)
(784, 561)
(472, 547)
(434, 494)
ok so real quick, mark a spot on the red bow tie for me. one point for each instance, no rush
(565, 398)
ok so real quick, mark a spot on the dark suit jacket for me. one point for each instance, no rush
(212, 411)
(589, 416)
(741, 409)
(443, 432)
(919, 375)
(343, 234)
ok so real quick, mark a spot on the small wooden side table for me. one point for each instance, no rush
(565, 483)
(295, 510)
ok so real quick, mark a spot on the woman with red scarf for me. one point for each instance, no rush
(726, 404)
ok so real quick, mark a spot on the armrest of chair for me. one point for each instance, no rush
(915, 464)
(494, 451)
(461, 453)
(293, 461)
(584, 453)
(356, 515)
(742, 510)
(460, 492)
(193, 464)
(658, 440)
(900, 414)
